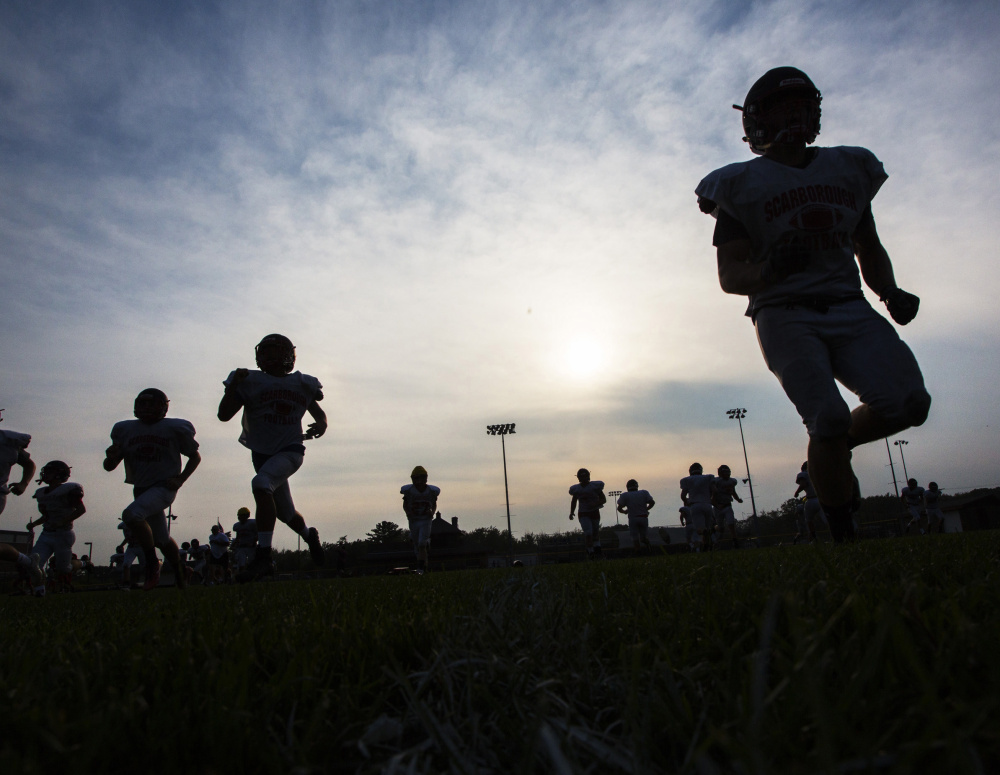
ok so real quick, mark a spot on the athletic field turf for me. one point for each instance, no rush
(880, 657)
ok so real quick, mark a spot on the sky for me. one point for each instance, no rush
(463, 214)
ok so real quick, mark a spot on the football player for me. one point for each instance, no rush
(274, 399)
(218, 560)
(635, 504)
(696, 492)
(151, 447)
(932, 507)
(812, 510)
(690, 534)
(14, 451)
(792, 229)
(913, 496)
(590, 495)
(245, 542)
(60, 503)
(722, 500)
(419, 504)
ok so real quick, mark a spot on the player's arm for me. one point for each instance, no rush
(572, 507)
(41, 519)
(622, 509)
(232, 401)
(318, 427)
(736, 272)
(113, 455)
(876, 269)
(78, 509)
(407, 506)
(193, 461)
(650, 503)
(27, 471)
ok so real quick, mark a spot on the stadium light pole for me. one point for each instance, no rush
(738, 415)
(91, 545)
(501, 431)
(902, 443)
(613, 494)
(892, 468)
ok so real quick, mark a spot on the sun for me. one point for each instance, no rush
(584, 358)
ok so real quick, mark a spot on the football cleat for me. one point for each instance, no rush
(315, 547)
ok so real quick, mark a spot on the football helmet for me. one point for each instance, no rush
(243, 513)
(631, 484)
(783, 106)
(911, 483)
(695, 469)
(57, 469)
(932, 486)
(275, 353)
(418, 471)
(151, 405)
(725, 472)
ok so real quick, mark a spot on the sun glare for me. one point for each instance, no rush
(584, 359)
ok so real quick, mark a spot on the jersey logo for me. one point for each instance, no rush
(816, 218)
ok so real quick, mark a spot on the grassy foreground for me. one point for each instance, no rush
(880, 657)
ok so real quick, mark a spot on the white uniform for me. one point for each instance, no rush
(588, 501)
(58, 504)
(932, 505)
(637, 504)
(689, 530)
(420, 508)
(913, 497)
(723, 500)
(11, 444)
(273, 408)
(152, 455)
(699, 491)
(815, 328)
(813, 510)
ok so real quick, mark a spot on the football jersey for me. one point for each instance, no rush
(152, 453)
(11, 444)
(59, 502)
(802, 480)
(246, 534)
(912, 495)
(636, 502)
(588, 496)
(932, 498)
(273, 408)
(421, 505)
(698, 487)
(724, 489)
(818, 207)
(219, 544)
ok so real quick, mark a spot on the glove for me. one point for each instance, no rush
(784, 261)
(902, 306)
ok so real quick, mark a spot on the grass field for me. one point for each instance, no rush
(880, 657)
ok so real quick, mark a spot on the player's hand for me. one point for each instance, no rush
(315, 430)
(17, 488)
(570, 517)
(902, 306)
(784, 261)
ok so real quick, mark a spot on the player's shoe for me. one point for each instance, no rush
(152, 577)
(35, 572)
(260, 566)
(316, 548)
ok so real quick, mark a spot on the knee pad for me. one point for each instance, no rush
(262, 482)
(916, 406)
(832, 421)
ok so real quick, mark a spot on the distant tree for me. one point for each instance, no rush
(386, 532)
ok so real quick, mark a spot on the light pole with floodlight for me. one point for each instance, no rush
(892, 467)
(738, 415)
(501, 431)
(902, 443)
(614, 494)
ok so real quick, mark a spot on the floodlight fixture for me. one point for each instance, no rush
(500, 430)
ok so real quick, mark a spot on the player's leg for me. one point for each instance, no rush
(27, 561)
(63, 557)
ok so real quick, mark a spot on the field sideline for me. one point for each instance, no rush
(880, 657)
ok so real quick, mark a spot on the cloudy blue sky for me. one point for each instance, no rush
(464, 213)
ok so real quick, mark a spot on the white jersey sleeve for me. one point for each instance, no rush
(59, 503)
